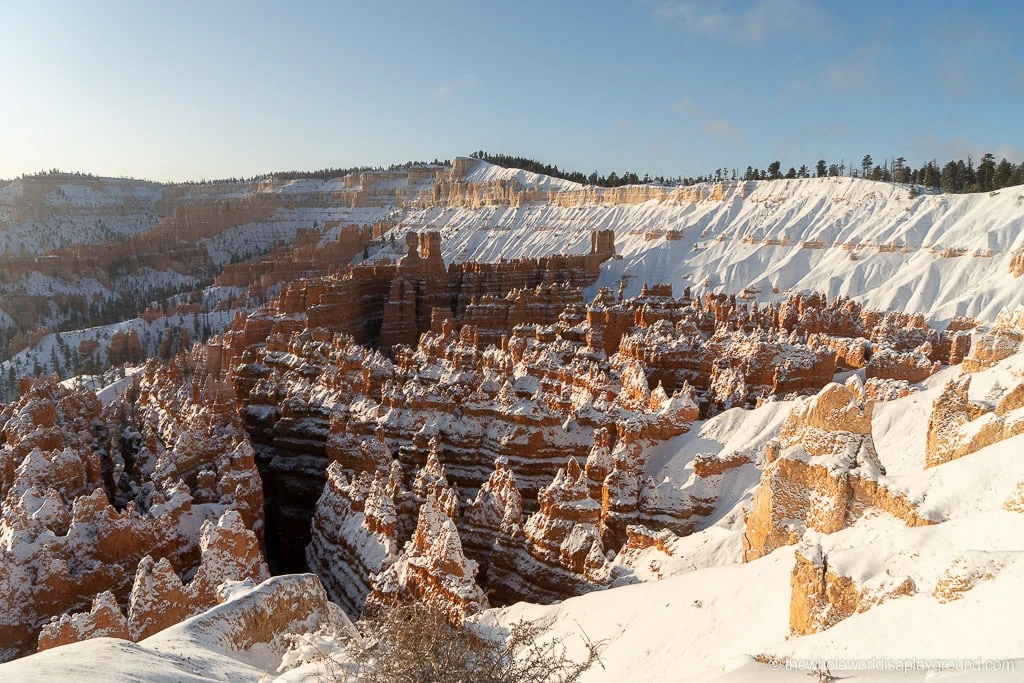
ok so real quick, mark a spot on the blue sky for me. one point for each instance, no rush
(191, 90)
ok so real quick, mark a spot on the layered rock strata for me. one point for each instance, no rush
(822, 597)
(90, 491)
(959, 426)
(821, 473)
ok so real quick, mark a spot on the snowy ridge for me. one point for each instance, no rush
(941, 255)
(484, 172)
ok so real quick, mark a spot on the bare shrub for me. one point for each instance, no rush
(416, 643)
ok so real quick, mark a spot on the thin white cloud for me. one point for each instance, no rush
(451, 87)
(687, 107)
(711, 125)
(859, 74)
(749, 25)
(721, 128)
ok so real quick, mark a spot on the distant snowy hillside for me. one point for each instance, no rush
(74, 210)
(942, 255)
(483, 172)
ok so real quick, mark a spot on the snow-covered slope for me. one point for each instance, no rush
(74, 210)
(942, 255)
(256, 633)
(715, 614)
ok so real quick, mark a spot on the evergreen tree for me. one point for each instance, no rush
(865, 164)
(986, 176)
(1003, 174)
(950, 178)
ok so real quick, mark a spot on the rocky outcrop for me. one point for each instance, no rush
(1017, 263)
(821, 473)
(821, 597)
(493, 317)
(876, 389)
(103, 620)
(558, 553)
(159, 599)
(274, 616)
(497, 510)
(432, 567)
(908, 366)
(1001, 341)
(354, 536)
(959, 426)
(963, 574)
(125, 347)
(88, 492)
(1015, 503)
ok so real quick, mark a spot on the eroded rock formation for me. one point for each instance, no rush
(88, 492)
(558, 552)
(821, 473)
(355, 535)
(158, 599)
(433, 567)
(821, 597)
(959, 426)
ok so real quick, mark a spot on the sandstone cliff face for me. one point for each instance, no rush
(959, 426)
(821, 598)
(821, 474)
(310, 255)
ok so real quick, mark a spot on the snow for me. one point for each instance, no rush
(709, 245)
(657, 631)
(704, 614)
